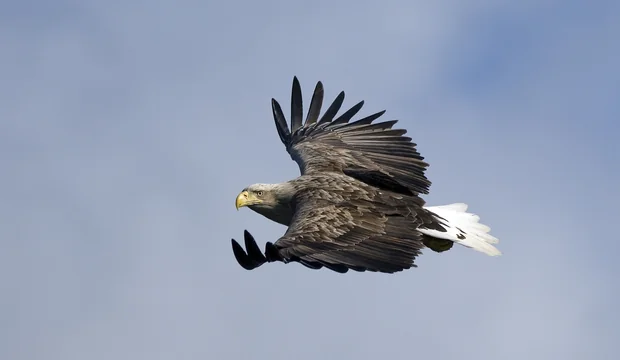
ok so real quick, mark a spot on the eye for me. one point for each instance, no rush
(259, 193)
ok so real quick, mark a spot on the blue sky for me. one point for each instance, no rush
(127, 130)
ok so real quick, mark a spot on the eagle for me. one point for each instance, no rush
(356, 205)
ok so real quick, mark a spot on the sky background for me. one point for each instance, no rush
(128, 128)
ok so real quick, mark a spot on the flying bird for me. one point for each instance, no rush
(356, 205)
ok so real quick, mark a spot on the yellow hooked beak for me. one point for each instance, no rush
(245, 198)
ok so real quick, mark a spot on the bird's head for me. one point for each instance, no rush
(257, 196)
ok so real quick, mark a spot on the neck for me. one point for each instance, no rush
(284, 192)
(281, 211)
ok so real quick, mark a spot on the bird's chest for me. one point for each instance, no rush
(280, 214)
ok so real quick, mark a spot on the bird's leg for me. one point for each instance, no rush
(272, 254)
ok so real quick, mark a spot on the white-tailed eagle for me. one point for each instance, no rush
(357, 202)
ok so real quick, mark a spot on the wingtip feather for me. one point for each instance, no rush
(315, 104)
(281, 126)
(332, 110)
(296, 106)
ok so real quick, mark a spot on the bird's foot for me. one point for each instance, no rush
(254, 258)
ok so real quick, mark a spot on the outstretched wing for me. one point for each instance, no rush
(358, 234)
(373, 153)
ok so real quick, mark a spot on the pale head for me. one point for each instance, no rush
(257, 196)
(270, 200)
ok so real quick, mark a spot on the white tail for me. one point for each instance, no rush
(462, 228)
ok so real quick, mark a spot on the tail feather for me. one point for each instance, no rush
(462, 228)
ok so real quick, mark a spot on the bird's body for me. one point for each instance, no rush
(356, 204)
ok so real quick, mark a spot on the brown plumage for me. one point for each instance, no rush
(356, 204)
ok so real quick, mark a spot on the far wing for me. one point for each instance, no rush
(373, 153)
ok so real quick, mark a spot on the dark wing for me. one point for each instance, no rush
(356, 234)
(372, 153)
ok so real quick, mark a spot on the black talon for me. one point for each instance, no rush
(253, 250)
(242, 258)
